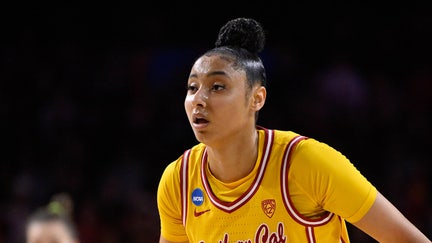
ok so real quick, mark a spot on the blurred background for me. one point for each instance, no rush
(91, 101)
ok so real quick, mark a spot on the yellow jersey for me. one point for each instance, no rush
(300, 190)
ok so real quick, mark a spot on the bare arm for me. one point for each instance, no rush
(385, 223)
(163, 240)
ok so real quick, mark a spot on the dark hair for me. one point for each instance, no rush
(241, 40)
(59, 209)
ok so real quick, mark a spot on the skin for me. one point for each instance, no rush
(48, 232)
(385, 223)
(219, 93)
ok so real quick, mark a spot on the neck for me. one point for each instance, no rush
(235, 159)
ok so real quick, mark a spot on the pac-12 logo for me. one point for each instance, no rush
(197, 197)
(269, 207)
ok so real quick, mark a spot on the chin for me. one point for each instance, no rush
(202, 137)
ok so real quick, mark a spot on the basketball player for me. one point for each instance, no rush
(245, 183)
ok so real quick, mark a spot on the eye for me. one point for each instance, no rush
(217, 87)
(191, 88)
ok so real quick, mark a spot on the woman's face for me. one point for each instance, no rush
(48, 232)
(219, 104)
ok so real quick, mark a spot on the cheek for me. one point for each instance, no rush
(188, 99)
(188, 104)
(238, 102)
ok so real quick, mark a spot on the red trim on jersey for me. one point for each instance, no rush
(310, 234)
(340, 221)
(231, 206)
(298, 217)
(184, 167)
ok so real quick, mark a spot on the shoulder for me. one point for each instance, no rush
(188, 155)
(312, 157)
(285, 135)
(170, 181)
(315, 150)
(279, 137)
(303, 143)
(306, 152)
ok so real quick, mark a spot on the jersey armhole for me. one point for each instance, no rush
(184, 185)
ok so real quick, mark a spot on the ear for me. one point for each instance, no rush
(259, 94)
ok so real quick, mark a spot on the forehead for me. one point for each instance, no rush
(207, 64)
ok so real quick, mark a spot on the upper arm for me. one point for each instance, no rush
(169, 204)
(385, 223)
(330, 181)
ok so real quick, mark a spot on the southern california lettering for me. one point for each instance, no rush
(262, 235)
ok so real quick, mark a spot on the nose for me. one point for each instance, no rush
(199, 98)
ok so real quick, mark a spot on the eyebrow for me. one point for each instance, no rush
(214, 73)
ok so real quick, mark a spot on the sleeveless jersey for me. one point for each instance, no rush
(287, 183)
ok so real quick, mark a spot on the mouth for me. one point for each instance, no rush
(199, 120)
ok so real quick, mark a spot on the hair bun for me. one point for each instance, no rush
(242, 32)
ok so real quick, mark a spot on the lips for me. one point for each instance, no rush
(198, 120)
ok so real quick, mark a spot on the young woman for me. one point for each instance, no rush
(246, 183)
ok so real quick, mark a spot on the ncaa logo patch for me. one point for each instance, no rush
(269, 207)
(197, 197)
